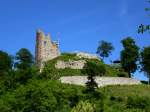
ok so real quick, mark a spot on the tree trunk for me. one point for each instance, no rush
(129, 74)
(149, 80)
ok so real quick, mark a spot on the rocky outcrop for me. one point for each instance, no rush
(102, 81)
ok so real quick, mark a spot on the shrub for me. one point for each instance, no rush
(83, 107)
(122, 74)
(138, 102)
(41, 96)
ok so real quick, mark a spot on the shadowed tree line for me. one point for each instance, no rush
(131, 57)
(24, 89)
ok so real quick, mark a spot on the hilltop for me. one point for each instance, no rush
(27, 89)
(71, 64)
(49, 95)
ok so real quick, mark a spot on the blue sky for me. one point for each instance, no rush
(78, 24)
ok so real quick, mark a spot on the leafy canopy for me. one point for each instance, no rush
(144, 28)
(83, 107)
(145, 60)
(92, 69)
(5, 62)
(129, 55)
(24, 59)
(104, 49)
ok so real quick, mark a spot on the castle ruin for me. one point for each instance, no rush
(46, 49)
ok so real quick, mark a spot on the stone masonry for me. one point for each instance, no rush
(87, 55)
(102, 81)
(46, 49)
(70, 64)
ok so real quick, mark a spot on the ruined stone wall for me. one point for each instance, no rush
(87, 55)
(70, 64)
(46, 49)
(102, 81)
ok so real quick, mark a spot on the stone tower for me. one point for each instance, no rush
(46, 49)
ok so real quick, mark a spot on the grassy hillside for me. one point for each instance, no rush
(40, 95)
(51, 70)
(134, 98)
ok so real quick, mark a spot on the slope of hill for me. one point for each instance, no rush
(135, 98)
(51, 69)
(53, 96)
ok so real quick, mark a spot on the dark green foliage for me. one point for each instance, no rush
(99, 68)
(22, 76)
(144, 28)
(91, 69)
(129, 55)
(50, 72)
(144, 82)
(24, 59)
(115, 71)
(15, 78)
(122, 74)
(33, 97)
(25, 68)
(41, 96)
(145, 61)
(12, 78)
(67, 57)
(135, 98)
(138, 102)
(104, 49)
(52, 96)
(9, 80)
(83, 107)
(26, 90)
(5, 63)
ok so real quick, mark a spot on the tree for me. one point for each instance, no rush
(91, 70)
(145, 61)
(143, 28)
(24, 64)
(24, 59)
(129, 55)
(5, 62)
(104, 49)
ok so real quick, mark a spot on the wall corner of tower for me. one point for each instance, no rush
(46, 49)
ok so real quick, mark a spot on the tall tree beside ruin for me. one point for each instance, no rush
(129, 55)
(91, 70)
(5, 62)
(104, 49)
(145, 61)
(24, 65)
(24, 59)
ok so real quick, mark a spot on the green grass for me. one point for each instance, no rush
(44, 95)
(131, 98)
(50, 66)
(127, 90)
(115, 72)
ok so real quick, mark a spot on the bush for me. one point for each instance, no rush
(41, 96)
(83, 107)
(50, 72)
(138, 102)
(122, 74)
